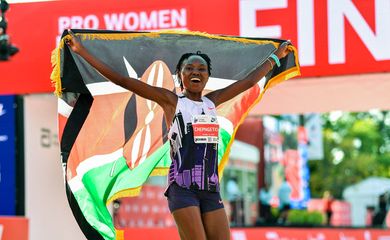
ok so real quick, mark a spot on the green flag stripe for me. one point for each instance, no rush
(116, 180)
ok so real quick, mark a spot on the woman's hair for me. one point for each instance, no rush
(185, 56)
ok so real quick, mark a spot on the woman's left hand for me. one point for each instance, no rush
(74, 43)
(283, 49)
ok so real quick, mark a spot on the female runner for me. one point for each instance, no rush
(193, 193)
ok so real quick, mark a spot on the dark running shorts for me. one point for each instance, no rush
(179, 197)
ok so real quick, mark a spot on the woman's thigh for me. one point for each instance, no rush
(189, 223)
(216, 225)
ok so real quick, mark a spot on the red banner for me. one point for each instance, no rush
(341, 211)
(333, 37)
(12, 228)
(269, 234)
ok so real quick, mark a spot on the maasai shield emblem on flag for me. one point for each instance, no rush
(111, 139)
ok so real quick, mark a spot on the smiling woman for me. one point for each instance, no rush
(193, 193)
(193, 70)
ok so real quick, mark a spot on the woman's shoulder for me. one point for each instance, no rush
(208, 101)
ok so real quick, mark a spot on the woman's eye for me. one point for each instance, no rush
(191, 69)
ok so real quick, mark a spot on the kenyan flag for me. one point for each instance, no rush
(111, 139)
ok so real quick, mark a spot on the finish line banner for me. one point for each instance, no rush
(333, 37)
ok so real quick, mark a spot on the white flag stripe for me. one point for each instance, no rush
(160, 76)
(97, 161)
(261, 83)
(76, 184)
(103, 88)
(147, 144)
(150, 82)
(63, 108)
(226, 124)
(136, 147)
(151, 75)
(130, 70)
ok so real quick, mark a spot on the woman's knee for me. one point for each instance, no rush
(216, 225)
(189, 223)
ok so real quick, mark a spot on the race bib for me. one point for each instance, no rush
(205, 129)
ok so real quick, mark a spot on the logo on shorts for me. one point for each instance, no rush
(220, 201)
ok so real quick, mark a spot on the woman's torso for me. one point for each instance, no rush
(194, 165)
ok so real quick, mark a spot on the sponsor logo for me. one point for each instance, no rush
(239, 235)
(2, 110)
(3, 138)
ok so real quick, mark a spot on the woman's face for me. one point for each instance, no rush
(194, 73)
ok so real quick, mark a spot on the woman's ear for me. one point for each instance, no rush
(179, 81)
(181, 84)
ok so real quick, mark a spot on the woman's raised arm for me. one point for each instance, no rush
(229, 92)
(164, 97)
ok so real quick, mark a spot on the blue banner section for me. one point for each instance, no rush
(7, 155)
(305, 178)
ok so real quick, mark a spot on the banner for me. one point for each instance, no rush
(7, 155)
(269, 233)
(333, 37)
(315, 145)
(112, 139)
(12, 228)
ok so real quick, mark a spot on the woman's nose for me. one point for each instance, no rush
(195, 71)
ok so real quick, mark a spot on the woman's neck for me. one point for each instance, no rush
(193, 96)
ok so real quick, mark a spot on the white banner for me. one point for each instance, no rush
(47, 208)
(313, 127)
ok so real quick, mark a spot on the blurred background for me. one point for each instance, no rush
(311, 161)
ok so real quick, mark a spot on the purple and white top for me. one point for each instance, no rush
(194, 165)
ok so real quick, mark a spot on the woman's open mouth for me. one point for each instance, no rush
(195, 80)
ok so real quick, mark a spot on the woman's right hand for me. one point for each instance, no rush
(74, 43)
(283, 49)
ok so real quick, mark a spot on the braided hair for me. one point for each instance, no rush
(185, 56)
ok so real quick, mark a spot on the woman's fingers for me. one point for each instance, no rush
(73, 40)
(285, 44)
(283, 49)
(71, 33)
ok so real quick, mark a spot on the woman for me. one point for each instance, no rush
(193, 192)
